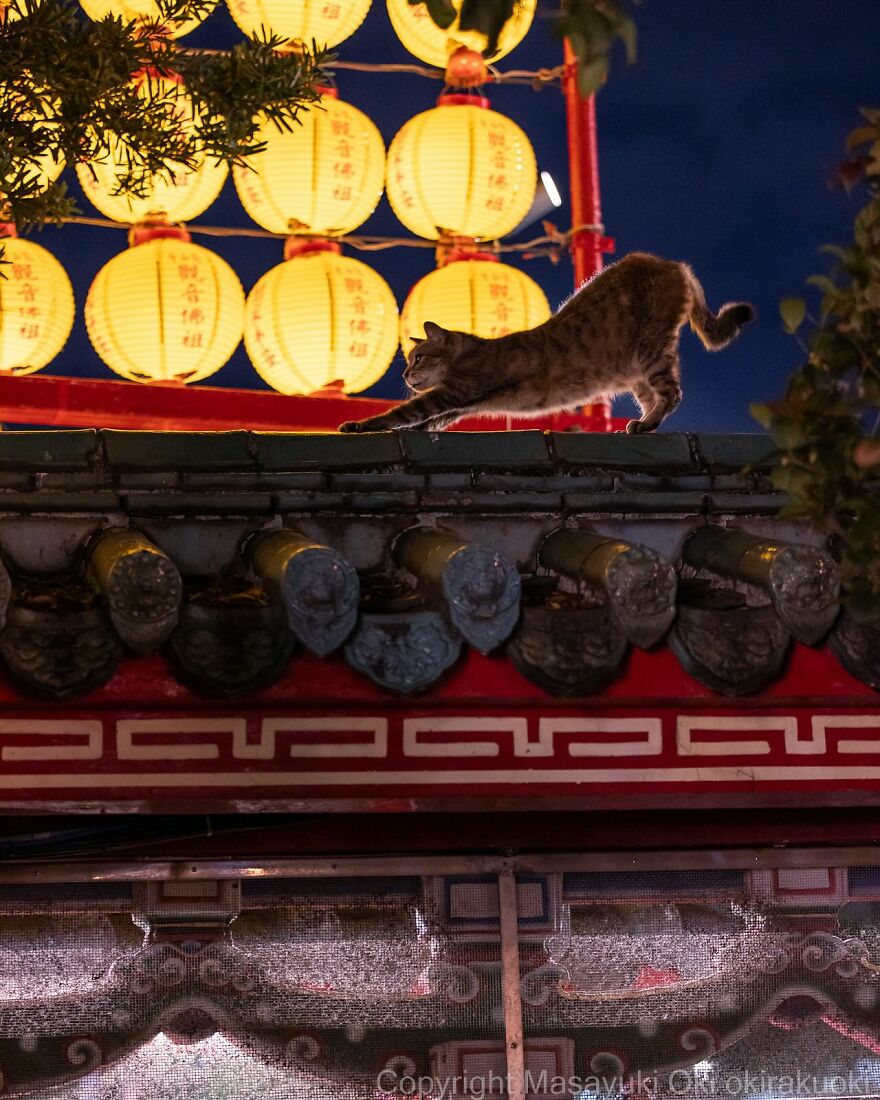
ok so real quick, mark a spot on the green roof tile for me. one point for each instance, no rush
(487, 450)
(325, 450)
(732, 452)
(48, 450)
(668, 452)
(178, 450)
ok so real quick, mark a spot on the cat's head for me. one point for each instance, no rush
(429, 361)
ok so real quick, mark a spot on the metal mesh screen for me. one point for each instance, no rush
(694, 984)
(705, 984)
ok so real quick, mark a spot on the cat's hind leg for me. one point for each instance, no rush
(662, 379)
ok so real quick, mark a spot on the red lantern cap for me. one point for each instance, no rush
(462, 99)
(466, 69)
(301, 246)
(458, 254)
(328, 90)
(7, 229)
(140, 234)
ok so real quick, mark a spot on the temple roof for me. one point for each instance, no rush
(561, 550)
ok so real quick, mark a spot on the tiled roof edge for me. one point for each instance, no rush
(541, 452)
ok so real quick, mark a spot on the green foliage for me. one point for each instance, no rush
(826, 423)
(66, 92)
(792, 311)
(591, 26)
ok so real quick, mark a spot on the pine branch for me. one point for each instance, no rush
(69, 93)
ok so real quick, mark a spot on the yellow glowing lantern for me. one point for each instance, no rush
(324, 176)
(328, 22)
(319, 318)
(473, 293)
(141, 11)
(166, 310)
(461, 170)
(424, 39)
(182, 196)
(36, 305)
(37, 111)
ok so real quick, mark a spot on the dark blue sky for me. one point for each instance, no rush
(715, 148)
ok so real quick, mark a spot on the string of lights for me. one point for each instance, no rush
(534, 78)
(554, 241)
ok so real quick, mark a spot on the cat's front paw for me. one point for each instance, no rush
(351, 426)
(638, 427)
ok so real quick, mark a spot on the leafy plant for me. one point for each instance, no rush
(591, 26)
(827, 423)
(67, 93)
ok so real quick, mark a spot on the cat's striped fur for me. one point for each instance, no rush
(619, 333)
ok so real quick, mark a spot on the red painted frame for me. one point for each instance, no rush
(324, 738)
(51, 401)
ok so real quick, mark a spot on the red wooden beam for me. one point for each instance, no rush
(583, 174)
(49, 401)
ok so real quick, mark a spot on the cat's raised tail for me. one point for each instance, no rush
(715, 330)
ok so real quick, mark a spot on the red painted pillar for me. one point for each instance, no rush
(586, 201)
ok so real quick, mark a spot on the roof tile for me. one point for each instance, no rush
(487, 450)
(178, 450)
(643, 503)
(325, 450)
(49, 450)
(731, 452)
(666, 452)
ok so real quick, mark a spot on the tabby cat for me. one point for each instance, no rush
(619, 333)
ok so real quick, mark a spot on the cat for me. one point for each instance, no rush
(618, 333)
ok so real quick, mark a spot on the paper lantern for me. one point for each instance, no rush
(461, 170)
(37, 110)
(36, 306)
(475, 294)
(432, 44)
(320, 317)
(328, 22)
(324, 176)
(165, 310)
(141, 11)
(188, 193)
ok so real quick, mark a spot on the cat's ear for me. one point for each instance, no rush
(435, 332)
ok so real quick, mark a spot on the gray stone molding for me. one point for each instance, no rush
(480, 588)
(568, 651)
(639, 584)
(227, 650)
(403, 652)
(730, 647)
(802, 581)
(318, 588)
(140, 584)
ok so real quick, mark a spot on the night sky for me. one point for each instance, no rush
(716, 148)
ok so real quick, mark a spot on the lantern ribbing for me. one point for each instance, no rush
(461, 170)
(300, 21)
(36, 306)
(476, 295)
(318, 318)
(325, 176)
(166, 310)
